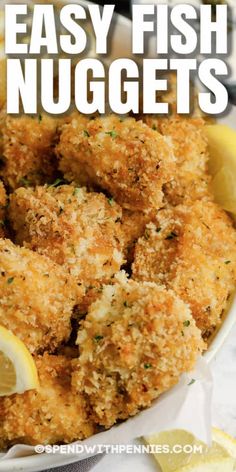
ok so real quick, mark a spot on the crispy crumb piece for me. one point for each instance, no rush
(3, 202)
(133, 226)
(190, 181)
(74, 228)
(36, 298)
(28, 149)
(47, 416)
(184, 250)
(122, 156)
(134, 345)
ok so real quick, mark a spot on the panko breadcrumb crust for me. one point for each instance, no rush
(36, 298)
(152, 205)
(51, 414)
(74, 228)
(28, 144)
(120, 155)
(190, 180)
(3, 202)
(192, 250)
(133, 225)
(134, 344)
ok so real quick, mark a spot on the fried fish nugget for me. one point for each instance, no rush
(123, 157)
(76, 229)
(3, 202)
(28, 149)
(49, 415)
(190, 180)
(36, 297)
(136, 341)
(133, 226)
(184, 251)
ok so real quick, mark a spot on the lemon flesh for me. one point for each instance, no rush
(8, 375)
(212, 465)
(227, 441)
(213, 459)
(18, 372)
(222, 164)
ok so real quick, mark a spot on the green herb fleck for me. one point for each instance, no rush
(86, 133)
(192, 382)
(147, 366)
(10, 280)
(186, 323)
(158, 230)
(57, 183)
(110, 201)
(172, 235)
(76, 191)
(182, 333)
(146, 234)
(227, 262)
(98, 338)
(25, 182)
(40, 117)
(154, 127)
(112, 133)
(126, 304)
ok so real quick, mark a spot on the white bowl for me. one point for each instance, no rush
(120, 48)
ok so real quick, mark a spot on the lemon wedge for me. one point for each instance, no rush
(18, 372)
(192, 455)
(225, 440)
(222, 164)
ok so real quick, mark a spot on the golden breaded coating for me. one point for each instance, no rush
(3, 79)
(47, 416)
(190, 180)
(76, 229)
(36, 297)
(28, 149)
(133, 225)
(122, 156)
(192, 250)
(3, 202)
(136, 341)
